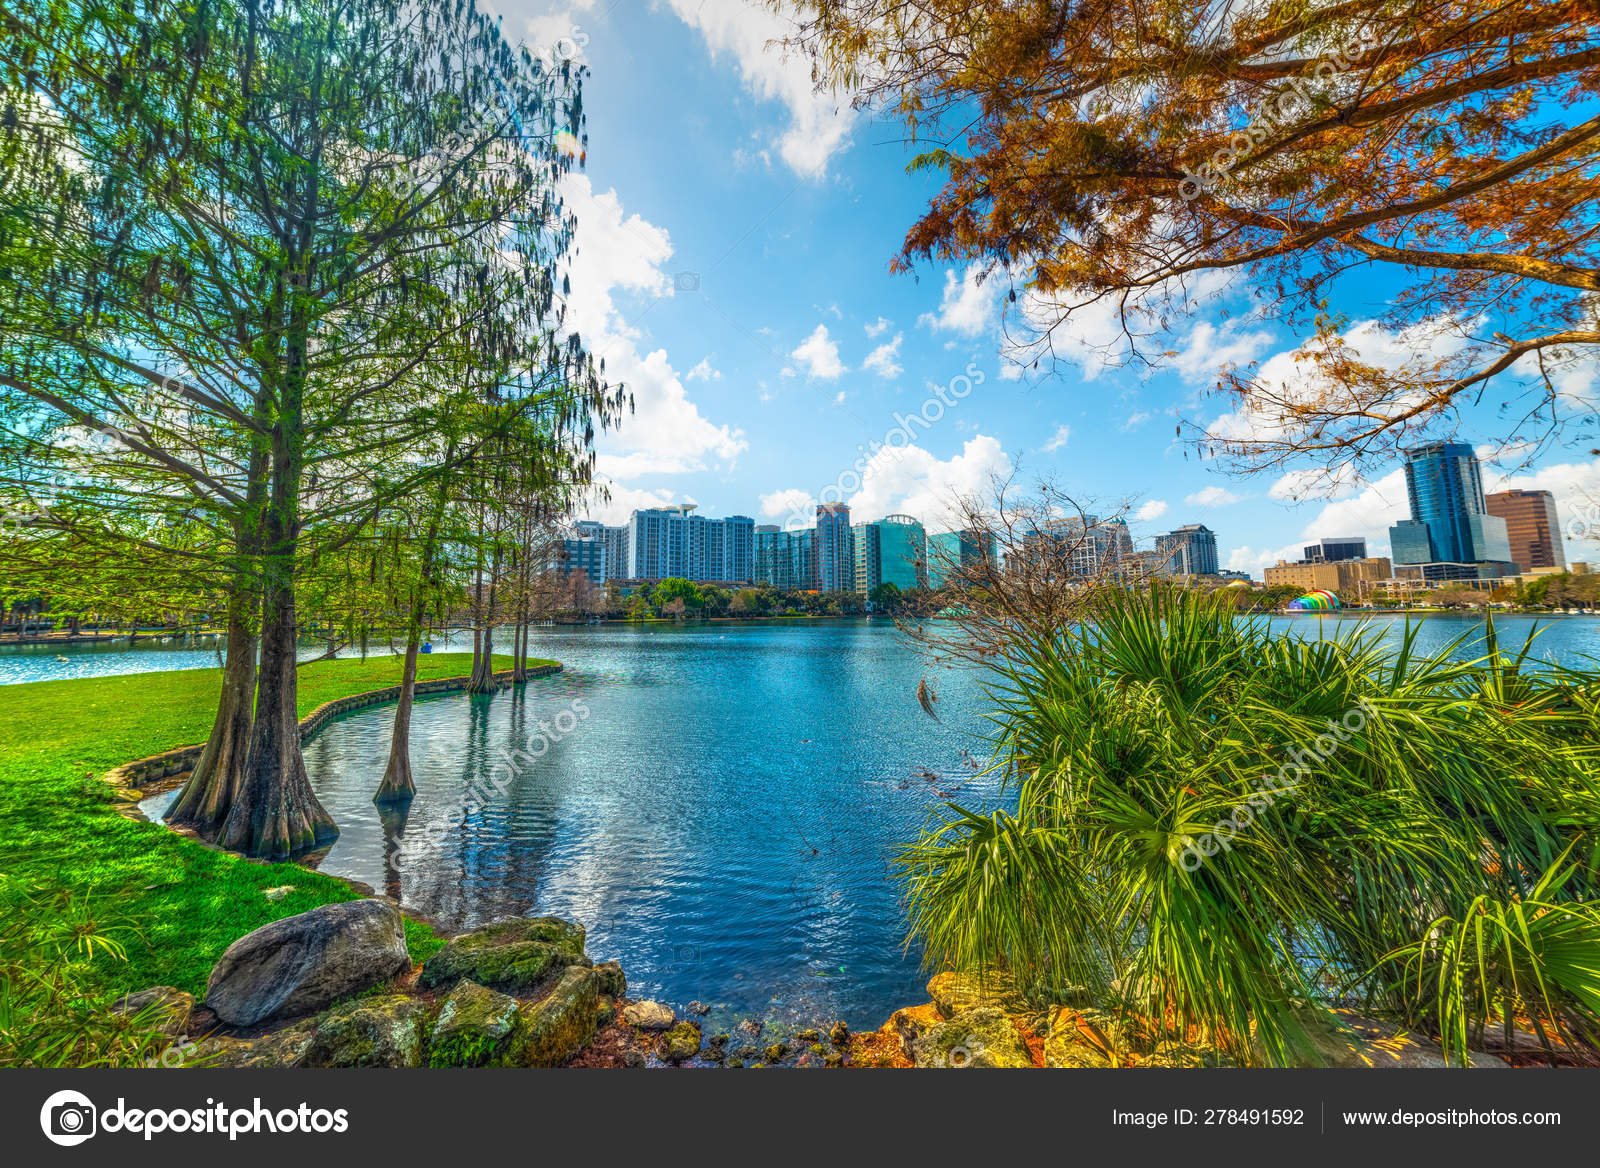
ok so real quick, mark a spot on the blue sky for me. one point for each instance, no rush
(735, 232)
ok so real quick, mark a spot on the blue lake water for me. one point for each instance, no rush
(719, 804)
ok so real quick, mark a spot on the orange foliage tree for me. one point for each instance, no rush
(1135, 155)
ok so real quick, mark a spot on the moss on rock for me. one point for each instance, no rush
(476, 1027)
(385, 1031)
(563, 1022)
(981, 1037)
(508, 955)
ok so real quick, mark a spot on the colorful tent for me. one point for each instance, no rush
(1319, 600)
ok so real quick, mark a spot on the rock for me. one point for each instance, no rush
(563, 1022)
(1084, 1039)
(954, 993)
(604, 1012)
(613, 981)
(839, 1035)
(980, 1037)
(752, 1025)
(681, 1043)
(164, 1009)
(648, 1015)
(302, 963)
(278, 893)
(905, 1025)
(370, 1032)
(809, 1035)
(775, 1052)
(476, 1027)
(717, 1041)
(508, 955)
(282, 1048)
(633, 1058)
(833, 1059)
(698, 1007)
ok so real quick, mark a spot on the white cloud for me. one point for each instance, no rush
(703, 372)
(1291, 375)
(1212, 497)
(819, 355)
(1332, 482)
(967, 308)
(838, 398)
(1136, 419)
(1252, 560)
(884, 359)
(1060, 438)
(911, 481)
(1154, 509)
(615, 252)
(1368, 512)
(818, 126)
(1207, 348)
(878, 327)
(790, 501)
(1576, 488)
(625, 501)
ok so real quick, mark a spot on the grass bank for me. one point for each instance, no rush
(188, 902)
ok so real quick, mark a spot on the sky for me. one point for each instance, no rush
(735, 231)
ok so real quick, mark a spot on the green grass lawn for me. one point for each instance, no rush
(61, 826)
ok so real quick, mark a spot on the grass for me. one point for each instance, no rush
(186, 902)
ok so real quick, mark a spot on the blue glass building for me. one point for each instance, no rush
(1450, 523)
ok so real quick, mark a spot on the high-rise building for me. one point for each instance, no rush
(902, 552)
(1448, 514)
(1533, 530)
(1333, 551)
(1092, 547)
(836, 559)
(615, 540)
(585, 555)
(1191, 550)
(951, 551)
(868, 557)
(785, 559)
(673, 541)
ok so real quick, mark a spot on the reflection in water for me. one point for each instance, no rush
(723, 818)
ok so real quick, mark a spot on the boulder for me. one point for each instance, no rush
(302, 963)
(613, 982)
(776, 1052)
(906, 1024)
(281, 1048)
(681, 1043)
(954, 993)
(370, 1032)
(839, 1035)
(563, 1022)
(165, 1010)
(980, 1037)
(476, 1027)
(648, 1015)
(508, 955)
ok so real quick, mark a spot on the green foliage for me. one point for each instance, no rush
(62, 828)
(1457, 795)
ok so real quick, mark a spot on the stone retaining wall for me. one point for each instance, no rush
(133, 776)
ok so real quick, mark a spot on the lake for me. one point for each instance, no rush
(719, 804)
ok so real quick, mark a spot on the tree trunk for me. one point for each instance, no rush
(519, 668)
(275, 814)
(208, 796)
(397, 785)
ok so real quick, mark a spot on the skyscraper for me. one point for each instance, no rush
(673, 541)
(868, 557)
(615, 540)
(836, 559)
(1084, 546)
(1336, 550)
(785, 559)
(1533, 529)
(1191, 550)
(902, 552)
(950, 551)
(1448, 514)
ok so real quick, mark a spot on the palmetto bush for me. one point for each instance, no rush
(1432, 861)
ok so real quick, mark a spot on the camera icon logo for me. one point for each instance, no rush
(68, 1118)
(686, 281)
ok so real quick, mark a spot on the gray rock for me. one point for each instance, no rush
(563, 1022)
(370, 1032)
(476, 1027)
(164, 1009)
(613, 981)
(302, 963)
(649, 1015)
(509, 955)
